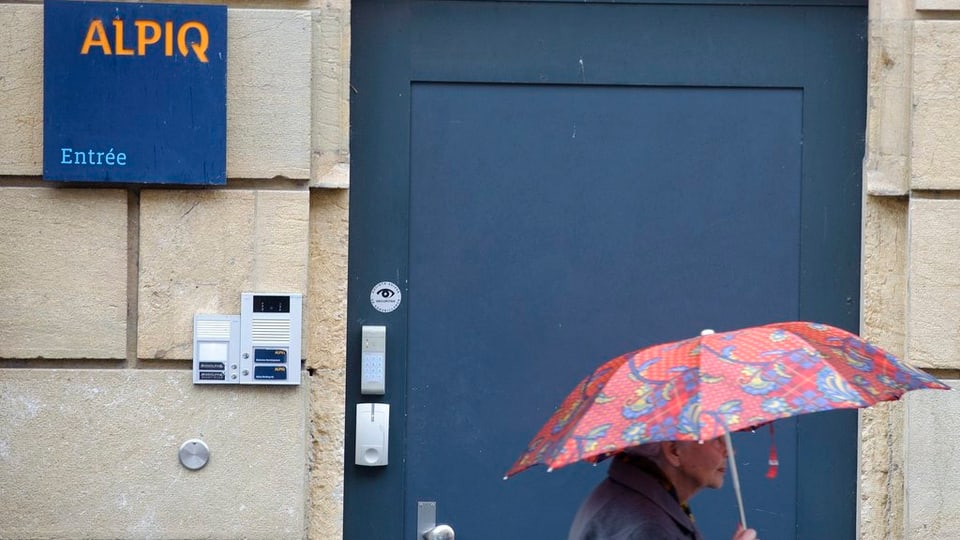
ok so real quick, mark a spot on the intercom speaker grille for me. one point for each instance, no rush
(219, 330)
(268, 331)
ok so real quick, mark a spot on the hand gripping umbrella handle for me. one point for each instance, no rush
(735, 477)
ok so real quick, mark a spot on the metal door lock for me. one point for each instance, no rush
(427, 526)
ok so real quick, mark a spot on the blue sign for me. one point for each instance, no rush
(134, 92)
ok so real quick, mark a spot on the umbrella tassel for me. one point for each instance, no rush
(772, 461)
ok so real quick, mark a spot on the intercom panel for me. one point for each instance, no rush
(216, 349)
(270, 334)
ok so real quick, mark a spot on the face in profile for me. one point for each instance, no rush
(702, 464)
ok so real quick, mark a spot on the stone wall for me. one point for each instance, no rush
(99, 286)
(911, 282)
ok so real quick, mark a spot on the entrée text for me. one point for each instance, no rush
(69, 156)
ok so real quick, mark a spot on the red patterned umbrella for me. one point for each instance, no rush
(713, 384)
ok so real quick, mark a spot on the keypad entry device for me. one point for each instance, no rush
(373, 360)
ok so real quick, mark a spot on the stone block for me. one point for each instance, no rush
(63, 273)
(21, 85)
(933, 294)
(886, 170)
(890, 10)
(326, 478)
(199, 250)
(932, 483)
(268, 93)
(331, 98)
(329, 213)
(94, 454)
(880, 490)
(884, 272)
(938, 5)
(935, 158)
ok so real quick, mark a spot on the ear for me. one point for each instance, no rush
(671, 452)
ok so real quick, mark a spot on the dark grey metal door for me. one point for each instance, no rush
(551, 184)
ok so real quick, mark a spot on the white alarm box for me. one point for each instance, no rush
(216, 349)
(373, 434)
(270, 334)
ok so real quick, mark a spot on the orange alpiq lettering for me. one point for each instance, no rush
(143, 40)
(118, 39)
(168, 42)
(96, 37)
(200, 49)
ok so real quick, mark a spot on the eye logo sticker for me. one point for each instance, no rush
(385, 296)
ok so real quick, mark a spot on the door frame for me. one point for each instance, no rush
(385, 40)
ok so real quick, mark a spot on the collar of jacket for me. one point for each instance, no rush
(643, 476)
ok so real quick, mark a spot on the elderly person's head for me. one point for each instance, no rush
(689, 465)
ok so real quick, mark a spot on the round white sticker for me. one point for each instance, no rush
(385, 297)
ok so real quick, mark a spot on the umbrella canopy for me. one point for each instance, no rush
(704, 387)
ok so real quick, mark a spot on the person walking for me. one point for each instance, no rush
(647, 491)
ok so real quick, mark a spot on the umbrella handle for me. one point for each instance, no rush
(735, 477)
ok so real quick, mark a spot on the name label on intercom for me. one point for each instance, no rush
(270, 373)
(269, 355)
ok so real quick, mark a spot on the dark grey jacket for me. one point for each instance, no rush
(631, 504)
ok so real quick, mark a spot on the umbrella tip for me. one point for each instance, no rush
(706, 332)
(505, 477)
(549, 469)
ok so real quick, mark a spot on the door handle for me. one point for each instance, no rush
(440, 532)
(427, 526)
